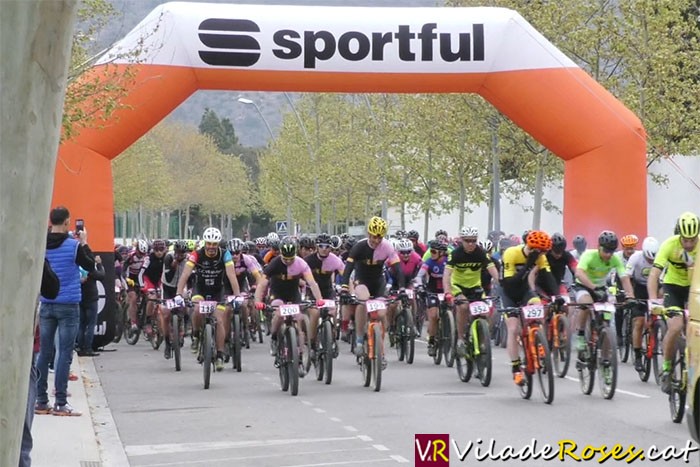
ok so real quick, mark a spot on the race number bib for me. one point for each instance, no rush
(479, 308)
(409, 293)
(289, 310)
(170, 304)
(329, 304)
(234, 299)
(206, 307)
(533, 312)
(604, 307)
(441, 297)
(375, 305)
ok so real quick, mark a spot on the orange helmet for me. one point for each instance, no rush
(629, 241)
(539, 240)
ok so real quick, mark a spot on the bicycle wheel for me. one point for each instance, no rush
(119, 323)
(175, 339)
(261, 323)
(503, 332)
(626, 343)
(483, 358)
(400, 336)
(526, 388)
(236, 342)
(327, 342)
(409, 337)
(607, 362)
(245, 332)
(376, 360)
(586, 365)
(131, 337)
(679, 381)
(545, 376)
(420, 317)
(293, 361)
(646, 361)
(320, 359)
(283, 360)
(561, 348)
(305, 346)
(463, 363)
(449, 342)
(157, 337)
(659, 329)
(207, 354)
(439, 339)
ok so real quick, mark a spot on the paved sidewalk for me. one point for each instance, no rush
(90, 440)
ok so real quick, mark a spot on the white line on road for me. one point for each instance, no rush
(366, 461)
(400, 459)
(350, 428)
(621, 391)
(307, 403)
(364, 437)
(380, 447)
(151, 449)
(317, 410)
(335, 419)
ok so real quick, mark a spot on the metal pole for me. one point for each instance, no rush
(383, 186)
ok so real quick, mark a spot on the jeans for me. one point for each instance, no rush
(25, 459)
(88, 320)
(65, 318)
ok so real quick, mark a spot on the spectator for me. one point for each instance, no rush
(88, 309)
(65, 255)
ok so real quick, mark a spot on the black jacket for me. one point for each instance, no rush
(89, 287)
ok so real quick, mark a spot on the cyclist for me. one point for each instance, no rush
(273, 251)
(367, 259)
(173, 265)
(283, 275)
(579, 246)
(209, 264)
(431, 274)
(591, 273)
(132, 268)
(676, 254)
(559, 261)
(638, 268)
(306, 246)
(521, 266)
(629, 243)
(486, 279)
(248, 274)
(462, 277)
(150, 276)
(410, 263)
(419, 247)
(324, 266)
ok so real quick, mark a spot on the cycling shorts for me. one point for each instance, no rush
(675, 298)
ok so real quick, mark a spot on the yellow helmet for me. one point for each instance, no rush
(377, 226)
(688, 225)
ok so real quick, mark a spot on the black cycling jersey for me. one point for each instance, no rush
(284, 279)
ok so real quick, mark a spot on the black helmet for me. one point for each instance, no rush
(180, 246)
(525, 235)
(235, 245)
(437, 245)
(323, 239)
(348, 243)
(580, 243)
(413, 234)
(288, 248)
(558, 242)
(306, 242)
(273, 244)
(250, 246)
(441, 232)
(608, 240)
(344, 236)
(336, 242)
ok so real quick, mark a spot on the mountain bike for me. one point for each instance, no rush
(601, 350)
(326, 347)
(177, 328)
(478, 342)
(206, 352)
(237, 337)
(421, 308)
(500, 331)
(121, 306)
(558, 335)
(624, 347)
(655, 329)
(404, 335)
(132, 336)
(292, 345)
(446, 336)
(679, 372)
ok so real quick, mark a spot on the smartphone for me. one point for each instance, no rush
(79, 225)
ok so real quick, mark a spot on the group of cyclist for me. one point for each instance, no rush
(520, 271)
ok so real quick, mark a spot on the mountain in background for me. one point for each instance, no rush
(249, 127)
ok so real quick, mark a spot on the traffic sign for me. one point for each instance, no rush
(281, 227)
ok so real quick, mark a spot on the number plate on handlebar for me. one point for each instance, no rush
(207, 307)
(329, 304)
(479, 308)
(441, 297)
(409, 293)
(375, 305)
(289, 310)
(234, 298)
(604, 307)
(170, 304)
(532, 312)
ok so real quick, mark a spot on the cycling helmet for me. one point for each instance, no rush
(249, 246)
(261, 241)
(191, 245)
(273, 244)
(608, 240)
(688, 225)
(437, 245)
(404, 245)
(306, 242)
(558, 242)
(469, 231)
(486, 245)
(515, 240)
(348, 243)
(323, 239)
(288, 248)
(524, 237)
(235, 245)
(344, 236)
(273, 237)
(629, 241)
(377, 226)
(158, 245)
(580, 243)
(336, 242)
(180, 246)
(413, 235)
(142, 246)
(650, 246)
(212, 235)
(400, 234)
(441, 232)
(538, 240)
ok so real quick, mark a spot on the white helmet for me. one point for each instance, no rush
(272, 237)
(212, 235)
(336, 242)
(404, 245)
(142, 246)
(650, 246)
(469, 231)
(486, 245)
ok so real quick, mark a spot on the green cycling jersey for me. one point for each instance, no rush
(672, 254)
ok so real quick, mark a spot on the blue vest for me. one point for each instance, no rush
(62, 261)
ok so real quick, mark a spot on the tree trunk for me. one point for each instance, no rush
(187, 222)
(125, 217)
(167, 225)
(462, 198)
(211, 222)
(179, 224)
(35, 41)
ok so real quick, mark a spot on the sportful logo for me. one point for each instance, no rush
(354, 46)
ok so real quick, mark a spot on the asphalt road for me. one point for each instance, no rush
(166, 418)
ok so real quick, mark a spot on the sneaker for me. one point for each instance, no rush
(219, 364)
(194, 346)
(42, 408)
(65, 411)
(666, 382)
(432, 349)
(359, 346)
(273, 347)
(518, 378)
(638, 365)
(72, 376)
(167, 352)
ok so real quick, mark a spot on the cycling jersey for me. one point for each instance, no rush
(368, 263)
(638, 268)
(409, 267)
(270, 255)
(672, 254)
(434, 269)
(323, 269)
(284, 279)
(558, 265)
(466, 268)
(209, 271)
(151, 271)
(621, 254)
(420, 248)
(132, 265)
(597, 270)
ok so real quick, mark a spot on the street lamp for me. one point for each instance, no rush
(290, 225)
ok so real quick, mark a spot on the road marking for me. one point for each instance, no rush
(366, 461)
(262, 456)
(258, 373)
(307, 403)
(380, 447)
(317, 410)
(151, 449)
(364, 437)
(335, 419)
(621, 391)
(350, 428)
(400, 459)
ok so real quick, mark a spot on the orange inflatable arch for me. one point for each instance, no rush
(490, 51)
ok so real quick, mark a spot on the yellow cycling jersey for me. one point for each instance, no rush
(514, 261)
(672, 254)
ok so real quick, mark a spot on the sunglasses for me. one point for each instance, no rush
(609, 250)
(469, 240)
(235, 252)
(323, 245)
(406, 252)
(432, 252)
(159, 249)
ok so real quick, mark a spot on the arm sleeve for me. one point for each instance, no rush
(84, 258)
(98, 273)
